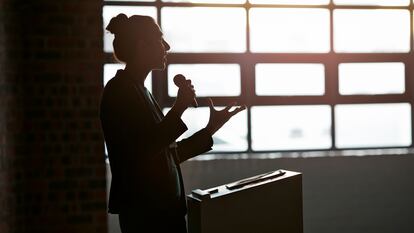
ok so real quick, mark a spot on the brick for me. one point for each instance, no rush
(51, 75)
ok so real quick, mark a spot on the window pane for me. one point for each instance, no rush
(290, 79)
(111, 11)
(371, 78)
(204, 29)
(372, 31)
(208, 79)
(373, 2)
(111, 69)
(373, 125)
(291, 127)
(208, 1)
(291, 2)
(231, 137)
(289, 30)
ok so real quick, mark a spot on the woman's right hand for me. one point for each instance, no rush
(185, 97)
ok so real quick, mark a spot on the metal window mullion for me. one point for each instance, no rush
(247, 68)
(158, 4)
(301, 100)
(247, 9)
(331, 75)
(159, 77)
(168, 4)
(329, 99)
(285, 57)
(409, 71)
(228, 5)
(247, 79)
(332, 93)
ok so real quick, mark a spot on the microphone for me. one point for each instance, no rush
(180, 81)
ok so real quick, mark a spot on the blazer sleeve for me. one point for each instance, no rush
(198, 143)
(138, 128)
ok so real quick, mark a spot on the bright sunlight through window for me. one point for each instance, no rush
(314, 74)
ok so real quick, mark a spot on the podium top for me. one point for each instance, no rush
(241, 185)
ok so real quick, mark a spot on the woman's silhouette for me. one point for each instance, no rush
(147, 188)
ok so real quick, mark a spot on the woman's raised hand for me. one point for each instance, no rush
(219, 118)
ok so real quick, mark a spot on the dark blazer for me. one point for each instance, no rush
(143, 155)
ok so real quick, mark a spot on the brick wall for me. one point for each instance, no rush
(52, 171)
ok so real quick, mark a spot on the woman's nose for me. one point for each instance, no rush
(166, 45)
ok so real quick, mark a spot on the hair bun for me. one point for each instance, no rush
(117, 24)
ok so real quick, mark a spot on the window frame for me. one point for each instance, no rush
(248, 60)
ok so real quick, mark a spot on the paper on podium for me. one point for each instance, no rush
(269, 202)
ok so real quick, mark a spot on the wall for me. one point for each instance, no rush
(370, 194)
(52, 173)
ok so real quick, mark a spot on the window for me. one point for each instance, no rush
(373, 125)
(289, 30)
(315, 74)
(286, 79)
(204, 29)
(291, 127)
(371, 31)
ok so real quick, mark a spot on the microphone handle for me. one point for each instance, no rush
(179, 81)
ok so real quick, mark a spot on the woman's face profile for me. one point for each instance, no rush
(154, 50)
(164, 47)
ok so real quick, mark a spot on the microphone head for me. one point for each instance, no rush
(179, 80)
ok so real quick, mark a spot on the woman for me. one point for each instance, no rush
(147, 188)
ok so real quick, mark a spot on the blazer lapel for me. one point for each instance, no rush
(150, 102)
(157, 107)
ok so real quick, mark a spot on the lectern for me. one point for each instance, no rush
(266, 203)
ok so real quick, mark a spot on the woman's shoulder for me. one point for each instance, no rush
(121, 88)
(117, 80)
(118, 83)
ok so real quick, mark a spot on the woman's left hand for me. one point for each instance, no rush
(219, 118)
